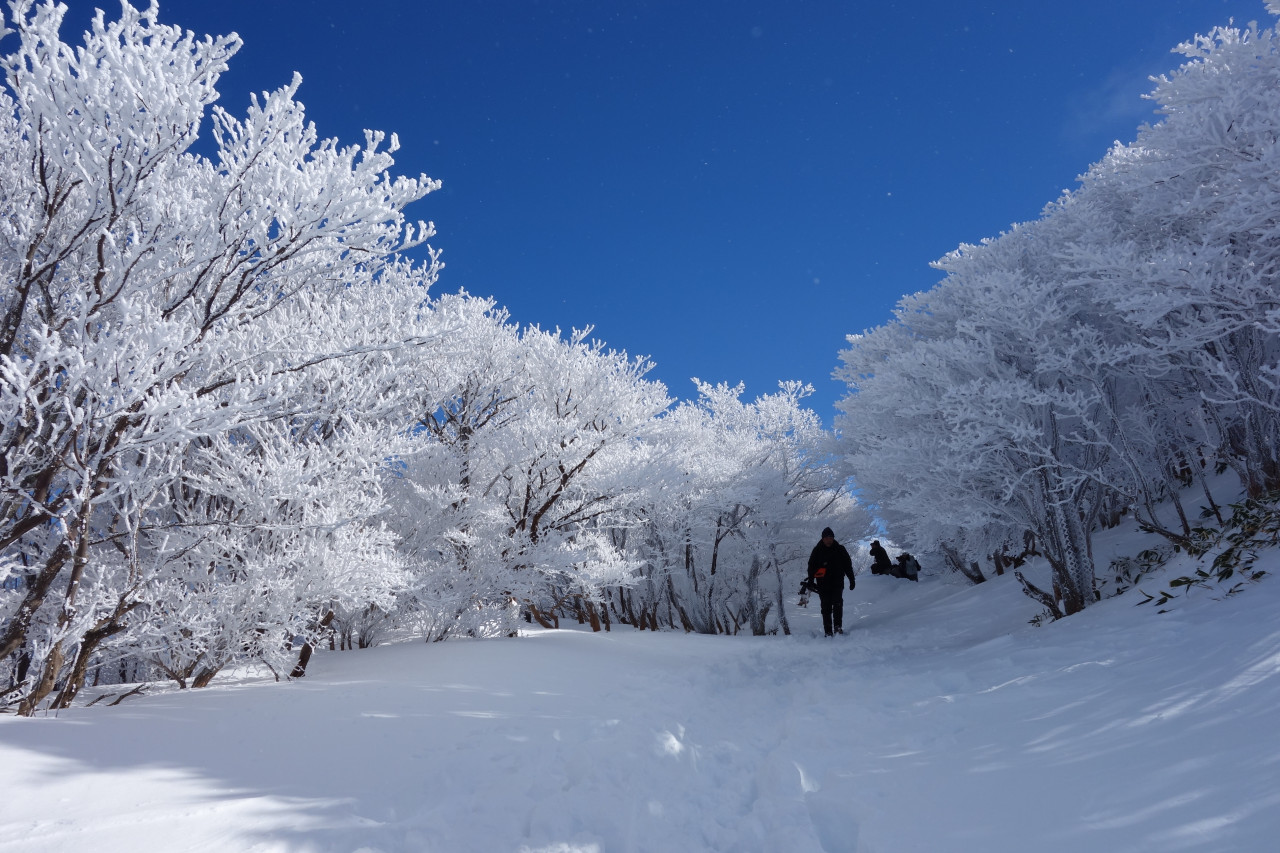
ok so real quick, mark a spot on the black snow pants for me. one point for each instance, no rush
(832, 610)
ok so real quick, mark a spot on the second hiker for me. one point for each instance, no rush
(883, 565)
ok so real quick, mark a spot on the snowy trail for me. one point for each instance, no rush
(930, 726)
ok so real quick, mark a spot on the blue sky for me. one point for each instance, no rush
(727, 186)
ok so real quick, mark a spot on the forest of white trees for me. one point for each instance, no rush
(1097, 361)
(237, 424)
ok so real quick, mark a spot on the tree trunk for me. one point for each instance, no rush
(56, 658)
(48, 679)
(89, 643)
(15, 633)
(204, 676)
(973, 572)
(304, 656)
(782, 608)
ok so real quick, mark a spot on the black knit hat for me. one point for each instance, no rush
(826, 531)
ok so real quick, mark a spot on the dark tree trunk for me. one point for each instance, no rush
(304, 657)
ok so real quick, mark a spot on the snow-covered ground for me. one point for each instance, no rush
(942, 721)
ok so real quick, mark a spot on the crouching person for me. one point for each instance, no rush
(882, 565)
(829, 565)
(908, 567)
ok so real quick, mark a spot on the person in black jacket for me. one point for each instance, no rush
(883, 565)
(829, 565)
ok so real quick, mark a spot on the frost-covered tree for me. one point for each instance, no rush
(1095, 361)
(1194, 200)
(519, 469)
(171, 353)
(986, 409)
(737, 495)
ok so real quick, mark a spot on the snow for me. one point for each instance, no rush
(941, 721)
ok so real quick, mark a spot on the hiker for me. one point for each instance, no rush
(908, 567)
(829, 565)
(883, 565)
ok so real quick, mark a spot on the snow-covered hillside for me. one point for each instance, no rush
(942, 721)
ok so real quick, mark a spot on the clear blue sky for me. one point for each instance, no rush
(727, 186)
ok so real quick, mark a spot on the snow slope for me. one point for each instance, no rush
(941, 722)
